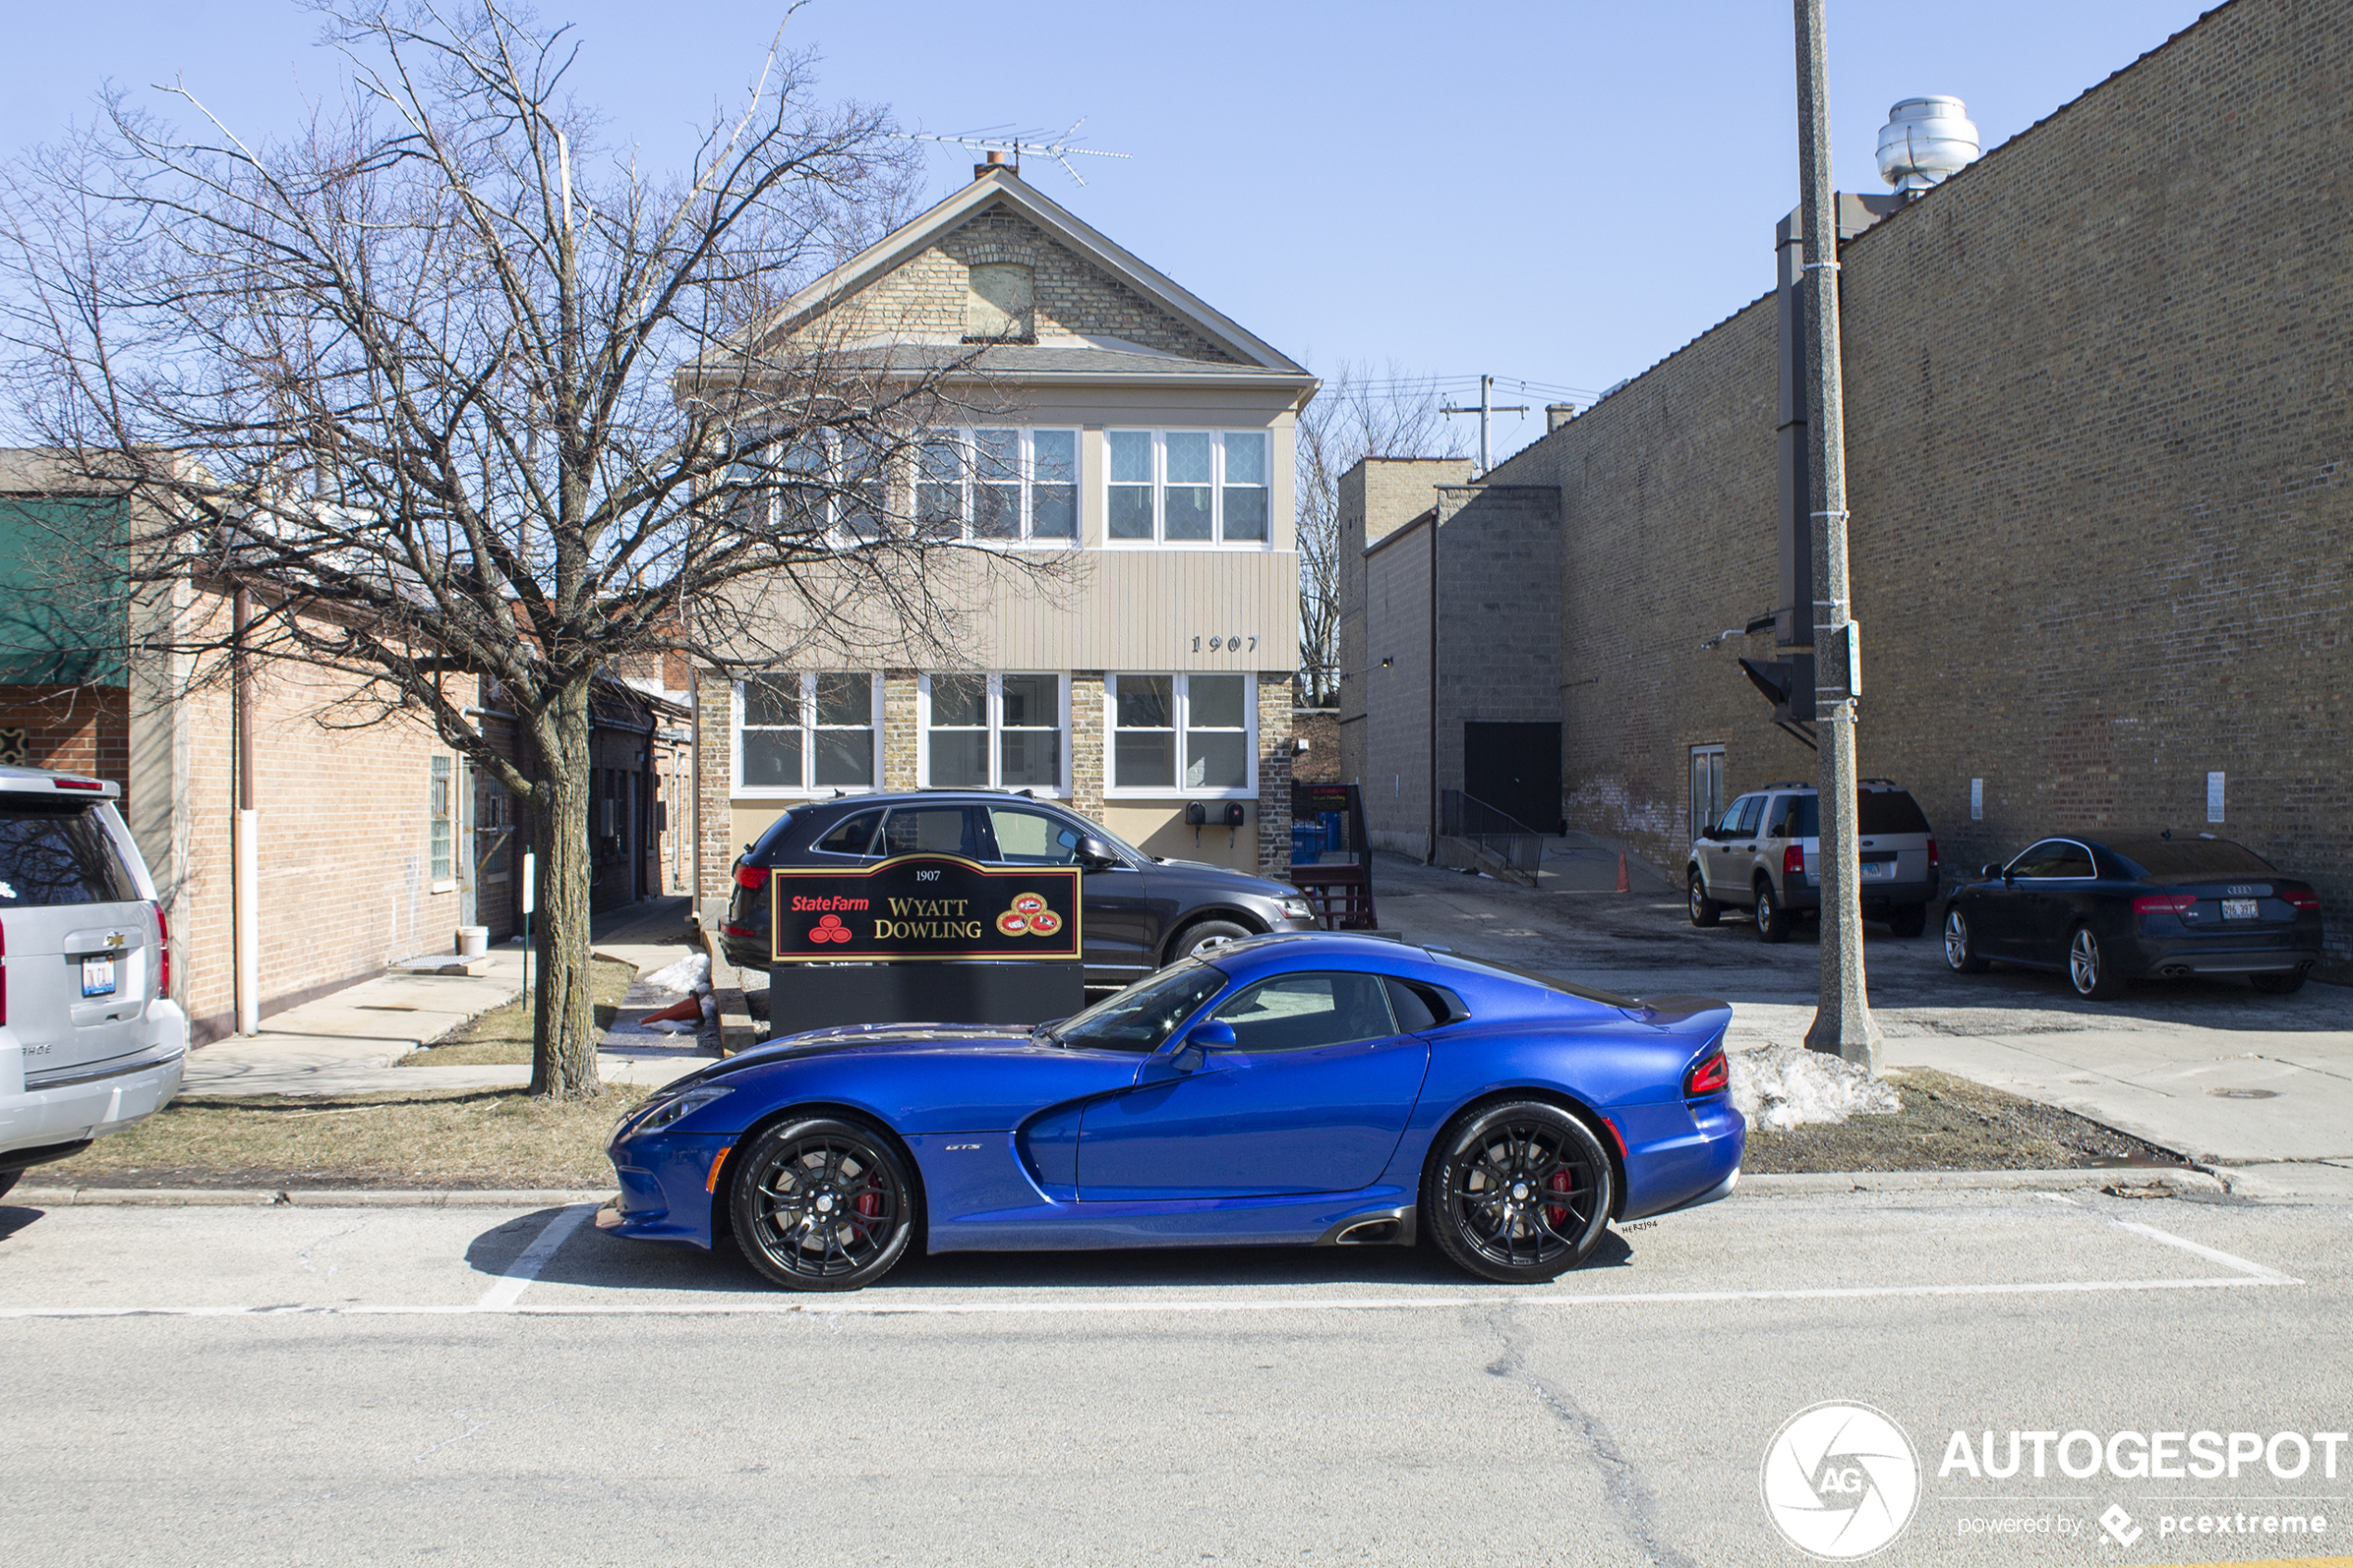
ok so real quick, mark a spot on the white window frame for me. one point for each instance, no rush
(967, 441)
(1060, 790)
(809, 728)
(1182, 715)
(1217, 487)
(441, 813)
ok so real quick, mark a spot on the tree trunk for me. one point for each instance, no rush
(563, 1041)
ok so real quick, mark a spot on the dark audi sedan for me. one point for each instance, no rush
(2113, 909)
(1140, 911)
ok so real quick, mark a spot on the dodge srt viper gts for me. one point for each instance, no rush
(1307, 1089)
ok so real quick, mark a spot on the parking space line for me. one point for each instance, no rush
(2253, 1270)
(504, 1296)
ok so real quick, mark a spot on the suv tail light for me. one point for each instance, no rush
(1708, 1076)
(163, 952)
(2300, 897)
(1931, 855)
(752, 877)
(1794, 861)
(2166, 904)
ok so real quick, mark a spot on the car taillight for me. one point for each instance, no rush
(78, 783)
(2301, 898)
(1708, 1076)
(753, 877)
(2165, 904)
(1931, 855)
(1794, 861)
(163, 951)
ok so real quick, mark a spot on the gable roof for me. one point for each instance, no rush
(998, 187)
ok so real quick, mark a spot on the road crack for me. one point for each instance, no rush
(1622, 1485)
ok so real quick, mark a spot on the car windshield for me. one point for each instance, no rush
(58, 855)
(2171, 857)
(1489, 966)
(1142, 1018)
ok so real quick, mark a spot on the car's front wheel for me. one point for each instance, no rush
(1960, 947)
(2088, 969)
(823, 1204)
(1705, 910)
(1518, 1193)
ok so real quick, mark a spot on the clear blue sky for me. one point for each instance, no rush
(1563, 192)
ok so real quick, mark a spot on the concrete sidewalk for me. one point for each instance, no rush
(347, 1043)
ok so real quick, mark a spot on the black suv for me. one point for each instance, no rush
(1139, 911)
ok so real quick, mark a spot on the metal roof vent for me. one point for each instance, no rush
(1924, 141)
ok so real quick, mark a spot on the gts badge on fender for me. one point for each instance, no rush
(952, 1148)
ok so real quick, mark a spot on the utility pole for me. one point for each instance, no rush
(1843, 1019)
(1486, 412)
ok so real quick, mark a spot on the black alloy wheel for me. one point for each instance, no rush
(2282, 983)
(1705, 910)
(2088, 970)
(1772, 921)
(1519, 1193)
(823, 1205)
(1907, 921)
(1960, 949)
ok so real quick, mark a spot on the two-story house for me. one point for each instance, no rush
(1121, 427)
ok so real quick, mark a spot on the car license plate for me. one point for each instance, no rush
(2238, 908)
(97, 977)
(1881, 869)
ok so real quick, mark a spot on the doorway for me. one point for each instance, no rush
(1707, 787)
(1515, 769)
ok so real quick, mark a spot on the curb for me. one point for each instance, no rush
(313, 1197)
(2137, 1178)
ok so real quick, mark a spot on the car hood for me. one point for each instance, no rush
(1225, 879)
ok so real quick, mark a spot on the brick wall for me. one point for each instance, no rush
(901, 757)
(1275, 696)
(714, 758)
(1396, 726)
(1087, 743)
(2097, 435)
(70, 729)
(1374, 499)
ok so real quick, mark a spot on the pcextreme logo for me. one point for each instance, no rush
(1840, 1480)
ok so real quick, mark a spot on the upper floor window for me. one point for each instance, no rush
(993, 732)
(799, 733)
(1189, 735)
(1188, 486)
(1006, 485)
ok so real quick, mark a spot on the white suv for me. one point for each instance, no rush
(1765, 855)
(89, 1038)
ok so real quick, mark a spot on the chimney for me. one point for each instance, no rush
(1558, 415)
(996, 162)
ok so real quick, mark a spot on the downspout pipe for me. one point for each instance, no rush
(245, 832)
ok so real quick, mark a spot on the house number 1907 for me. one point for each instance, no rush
(1233, 644)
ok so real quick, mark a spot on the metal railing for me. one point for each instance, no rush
(1498, 832)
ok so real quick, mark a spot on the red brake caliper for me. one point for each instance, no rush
(1558, 1215)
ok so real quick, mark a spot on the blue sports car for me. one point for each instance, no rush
(1302, 1089)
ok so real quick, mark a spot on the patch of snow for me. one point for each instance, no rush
(689, 974)
(1786, 1086)
(671, 1025)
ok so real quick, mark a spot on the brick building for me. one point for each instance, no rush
(1141, 446)
(2098, 433)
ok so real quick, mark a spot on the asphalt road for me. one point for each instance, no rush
(300, 1385)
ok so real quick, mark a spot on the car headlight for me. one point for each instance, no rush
(1296, 908)
(678, 1106)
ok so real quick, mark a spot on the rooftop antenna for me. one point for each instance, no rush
(1060, 148)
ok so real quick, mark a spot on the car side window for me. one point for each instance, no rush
(1298, 1012)
(1032, 838)
(854, 834)
(930, 829)
(2038, 860)
(1741, 819)
(2068, 859)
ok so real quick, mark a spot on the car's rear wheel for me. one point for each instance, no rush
(1207, 937)
(821, 1204)
(9, 1179)
(1705, 910)
(1907, 921)
(1960, 947)
(2088, 969)
(1519, 1193)
(1772, 921)
(2282, 982)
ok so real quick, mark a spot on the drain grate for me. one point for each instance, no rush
(2245, 1094)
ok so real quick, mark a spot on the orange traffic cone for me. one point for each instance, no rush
(1623, 886)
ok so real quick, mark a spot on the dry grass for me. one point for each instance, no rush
(1949, 1124)
(484, 1138)
(501, 1037)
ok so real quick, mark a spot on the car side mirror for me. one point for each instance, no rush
(1210, 1034)
(1988, 871)
(1094, 854)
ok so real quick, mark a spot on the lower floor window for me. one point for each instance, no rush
(993, 732)
(1188, 733)
(804, 731)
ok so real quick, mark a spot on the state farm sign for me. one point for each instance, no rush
(924, 909)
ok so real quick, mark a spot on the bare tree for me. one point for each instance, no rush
(453, 390)
(1357, 415)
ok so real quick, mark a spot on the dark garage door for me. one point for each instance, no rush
(1516, 767)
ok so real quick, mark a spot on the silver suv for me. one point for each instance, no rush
(1765, 855)
(90, 1039)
